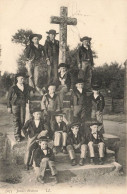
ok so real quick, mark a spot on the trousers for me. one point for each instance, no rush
(19, 112)
(100, 146)
(45, 162)
(99, 117)
(60, 137)
(82, 149)
(62, 91)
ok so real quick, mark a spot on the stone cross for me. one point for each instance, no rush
(63, 21)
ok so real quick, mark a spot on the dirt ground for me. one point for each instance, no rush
(14, 178)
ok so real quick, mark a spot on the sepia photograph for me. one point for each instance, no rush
(63, 91)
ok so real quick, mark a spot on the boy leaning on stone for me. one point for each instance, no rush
(42, 158)
(59, 129)
(96, 142)
(33, 129)
(76, 142)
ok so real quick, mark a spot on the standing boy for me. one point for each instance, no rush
(50, 103)
(76, 142)
(85, 61)
(79, 101)
(63, 81)
(35, 55)
(18, 97)
(59, 129)
(33, 129)
(52, 55)
(97, 102)
(96, 142)
(42, 158)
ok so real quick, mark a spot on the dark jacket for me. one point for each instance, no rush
(55, 127)
(99, 139)
(97, 104)
(33, 53)
(39, 155)
(66, 77)
(81, 138)
(30, 129)
(85, 55)
(51, 50)
(78, 98)
(50, 104)
(17, 97)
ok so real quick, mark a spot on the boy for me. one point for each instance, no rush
(52, 55)
(35, 55)
(50, 103)
(17, 100)
(63, 82)
(97, 103)
(96, 141)
(79, 101)
(43, 157)
(59, 128)
(76, 142)
(33, 129)
(85, 62)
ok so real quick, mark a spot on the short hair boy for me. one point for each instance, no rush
(76, 142)
(33, 129)
(96, 141)
(59, 129)
(43, 157)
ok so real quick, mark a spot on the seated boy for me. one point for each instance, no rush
(63, 82)
(33, 129)
(59, 130)
(96, 141)
(50, 103)
(76, 142)
(42, 158)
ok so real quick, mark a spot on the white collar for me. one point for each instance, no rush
(21, 87)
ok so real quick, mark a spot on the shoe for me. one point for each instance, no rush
(73, 162)
(64, 150)
(40, 179)
(55, 179)
(92, 161)
(81, 161)
(17, 139)
(101, 161)
(54, 150)
(27, 167)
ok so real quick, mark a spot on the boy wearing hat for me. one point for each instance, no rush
(79, 101)
(52, 54)
(97, 102)
(76, 142)
(85, 58)
(63, 81)
(50, 103)
(35, 55)
(96, 141)
(33, 129)
(17, 99)
(43, 157)
(59, 129)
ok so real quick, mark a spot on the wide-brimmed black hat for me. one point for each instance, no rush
(52, 32)
(37, 109)
(96, 86)
(63, 65)
(21, 75)
(75, 124)
(94, 122)
(35, 35)
(59, 113)
(79, 81)
(85, 38)
(43, 138)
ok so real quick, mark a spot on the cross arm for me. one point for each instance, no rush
(62, 20)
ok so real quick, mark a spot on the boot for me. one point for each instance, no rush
(40, 179)
(81, 161)
(55, 179)
(73, 162)
(92, 161)
(64, 150)
(101, 161)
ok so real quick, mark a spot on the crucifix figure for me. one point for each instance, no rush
(63, 21)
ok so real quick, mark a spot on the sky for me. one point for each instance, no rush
(103, 20)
